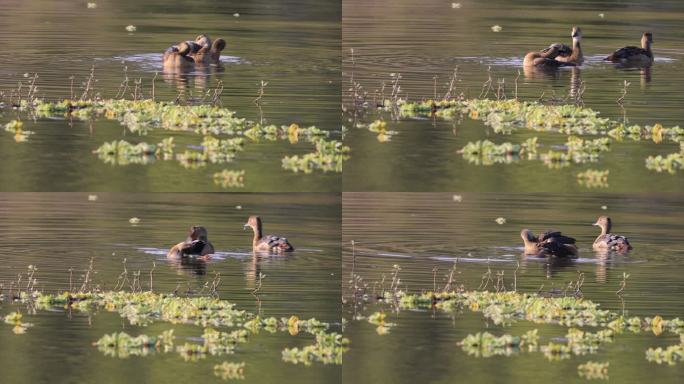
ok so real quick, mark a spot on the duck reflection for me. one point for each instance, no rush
(194, 266)
(551, 265)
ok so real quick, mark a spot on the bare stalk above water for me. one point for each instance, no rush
(625, 86)
(260, 93)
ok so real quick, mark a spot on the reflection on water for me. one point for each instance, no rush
(60, 232)
(426, 41)
(426, 235)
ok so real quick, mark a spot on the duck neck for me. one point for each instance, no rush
(576, 49)
(605, 229)
(647, 46)
(258, 234)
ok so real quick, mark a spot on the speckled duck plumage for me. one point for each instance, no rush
(609, 241)
(266, 243)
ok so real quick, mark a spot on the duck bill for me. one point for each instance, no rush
(244, 227)
(596, 224)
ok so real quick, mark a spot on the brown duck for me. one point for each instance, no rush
(197, 244)
(207, 52)
(176, 57)
(572, 54)
(635, 56)
(545, 59)
(548, 244)
(607, 241)
(266, 243)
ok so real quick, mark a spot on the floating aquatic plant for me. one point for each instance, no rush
(378, 318)
(140, 116)
(328, 156)
(14, 318)
(121, 152)
(230, 179)
(380, 127)
(505, 116)
(593, 370)
(592, 178)
(485, 344)
(16, 127)
(485, 152)
(657, 133)
(123, 345)
(670, 163)
(230, 371)
(670, 355)
(328, 349)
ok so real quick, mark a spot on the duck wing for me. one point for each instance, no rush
(625, 53)
(563, 49)
(556, 237)
(277, 243)
(194, 247)
(617, 243)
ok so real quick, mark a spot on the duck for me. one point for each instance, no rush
(545, 59)
(551, 243)
(608, 241)
(266, 243)
(176, 57)
(208, 52)
(571, 54)
(197, 244)
(634, 56)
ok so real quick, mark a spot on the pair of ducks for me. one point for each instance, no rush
(560, 55)
(197, 243)
(186, 54)
(555, 244)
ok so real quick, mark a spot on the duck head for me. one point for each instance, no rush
(253, 222)
(646, 40)
(203, 40)
(605, 223)
(528, 237)
(198, 233)
(576, 34)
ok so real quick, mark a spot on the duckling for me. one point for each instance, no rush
(634, 56)
(608, 241)
(545, 59)
(572, 55)
(268, 243)
(209, 53)
(197, 244)
(548, 244)
(176, 57)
